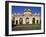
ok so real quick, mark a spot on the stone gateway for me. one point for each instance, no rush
(27, 18)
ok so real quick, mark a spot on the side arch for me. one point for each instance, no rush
(21, 21)
(33, 20)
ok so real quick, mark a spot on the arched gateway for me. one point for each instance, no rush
(20, 21)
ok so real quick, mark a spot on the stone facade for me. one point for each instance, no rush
(27, 18)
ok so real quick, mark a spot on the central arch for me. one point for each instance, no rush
(27, 20)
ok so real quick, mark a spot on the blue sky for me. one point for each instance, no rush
(20, 9)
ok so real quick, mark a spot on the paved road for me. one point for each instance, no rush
(27, 27)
